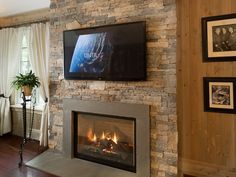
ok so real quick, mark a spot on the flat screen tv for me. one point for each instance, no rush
(115, 52)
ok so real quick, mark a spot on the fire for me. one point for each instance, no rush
(90, 134)
(93, 137)
(114, 139)
(103, 136)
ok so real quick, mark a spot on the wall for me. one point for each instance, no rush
(17, 123)
(159, 91)
(25, 18)
(207, 140)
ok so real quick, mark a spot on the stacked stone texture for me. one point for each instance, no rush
(159, 91)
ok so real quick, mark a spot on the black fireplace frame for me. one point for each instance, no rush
(103, 161)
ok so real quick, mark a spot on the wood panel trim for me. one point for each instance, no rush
(201, 169)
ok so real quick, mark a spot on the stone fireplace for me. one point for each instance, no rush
(158, 91)
(108, 139)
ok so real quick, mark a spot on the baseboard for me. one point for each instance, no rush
(202, 169)
(35, 134)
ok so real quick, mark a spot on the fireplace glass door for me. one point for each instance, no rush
(105, 139)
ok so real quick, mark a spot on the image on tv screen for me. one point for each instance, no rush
(92, 53)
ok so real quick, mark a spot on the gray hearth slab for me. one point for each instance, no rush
(55, 163)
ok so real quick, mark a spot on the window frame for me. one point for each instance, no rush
(26, 59)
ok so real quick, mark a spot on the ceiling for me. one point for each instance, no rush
(13, 7)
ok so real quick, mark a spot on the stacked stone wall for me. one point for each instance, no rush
(159, 91)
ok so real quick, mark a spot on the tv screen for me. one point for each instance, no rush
(115, 52)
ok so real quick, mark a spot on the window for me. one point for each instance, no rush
(25, 67)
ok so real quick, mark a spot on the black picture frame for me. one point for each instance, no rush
(219, 38)
(220, 94)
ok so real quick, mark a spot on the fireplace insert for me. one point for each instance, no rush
(105, 139)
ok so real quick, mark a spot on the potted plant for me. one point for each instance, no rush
(26, 82)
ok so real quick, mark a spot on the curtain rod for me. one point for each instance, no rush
(25, 24)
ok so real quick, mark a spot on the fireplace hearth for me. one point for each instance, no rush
(112, 138)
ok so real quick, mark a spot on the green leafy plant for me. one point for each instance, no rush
(28, 79)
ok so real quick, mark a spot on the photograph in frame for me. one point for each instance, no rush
(219, 38)
(219, 94)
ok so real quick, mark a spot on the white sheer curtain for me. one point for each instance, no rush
(39, 46)
(10, 46)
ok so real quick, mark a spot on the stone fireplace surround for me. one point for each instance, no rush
(137, 111)
(158, 91)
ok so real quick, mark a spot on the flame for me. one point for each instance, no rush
(114, 139)
(94, 139)
(90, 134)
(103, 136)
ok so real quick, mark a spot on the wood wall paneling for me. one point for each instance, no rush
(207, 138)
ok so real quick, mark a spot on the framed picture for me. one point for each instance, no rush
(219, 94)
(219, 38)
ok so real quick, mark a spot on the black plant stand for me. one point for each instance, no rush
(24, 141)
